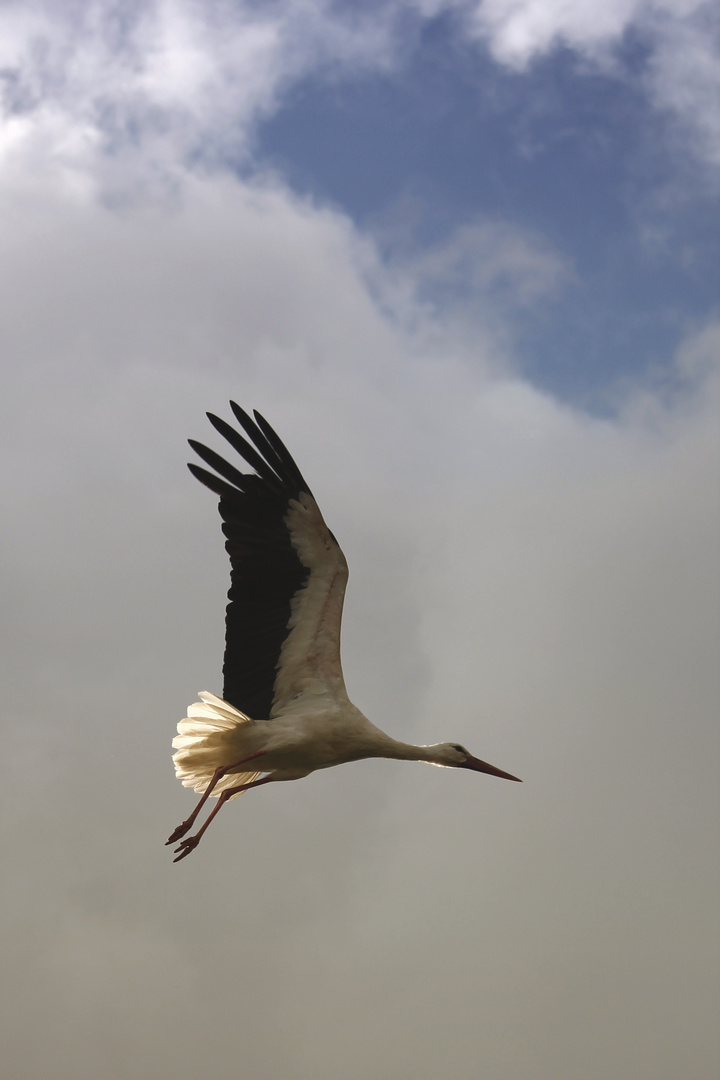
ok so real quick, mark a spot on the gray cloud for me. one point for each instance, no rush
(540, 584)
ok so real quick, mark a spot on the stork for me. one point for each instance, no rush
(284, 711)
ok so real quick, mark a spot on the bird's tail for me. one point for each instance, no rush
(206, 739)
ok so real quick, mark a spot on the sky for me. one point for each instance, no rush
(464, 258)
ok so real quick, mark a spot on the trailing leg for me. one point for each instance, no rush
(192, 842)
(186, 825)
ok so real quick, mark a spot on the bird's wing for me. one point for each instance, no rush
(288, 575)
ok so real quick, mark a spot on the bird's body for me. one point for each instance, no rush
(285, 711)
(294, 745)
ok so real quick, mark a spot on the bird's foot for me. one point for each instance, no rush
(186, 847)
(184, 827)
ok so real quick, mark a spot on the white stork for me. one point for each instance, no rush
(285, 711)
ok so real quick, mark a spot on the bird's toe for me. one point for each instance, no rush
(178, 833)
(186, 847)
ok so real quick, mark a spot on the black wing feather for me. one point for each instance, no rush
(244, 448)
(210, 480)
(290, 475)
(280, 449)
(219, 464)
(266, 572)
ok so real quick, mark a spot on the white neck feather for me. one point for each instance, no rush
(409, 752)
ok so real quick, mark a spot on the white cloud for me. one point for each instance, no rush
(134, 90)
(490, 258)
(682, 38)
(684, 79)
(161, 83)
(519, 30)
(467, 288)
(699, 355)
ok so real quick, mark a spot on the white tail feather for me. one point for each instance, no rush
(205, 742)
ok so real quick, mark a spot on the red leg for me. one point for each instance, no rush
(192, 842)
(217, 775)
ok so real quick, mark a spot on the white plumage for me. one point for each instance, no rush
(285, 711)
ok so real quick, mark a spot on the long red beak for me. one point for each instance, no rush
(482, 766)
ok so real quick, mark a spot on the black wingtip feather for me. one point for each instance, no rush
(270, 459)
(219, 464)
(273, 465)
(246, 451)
(282, 451)
(211, 481)
(264, 445)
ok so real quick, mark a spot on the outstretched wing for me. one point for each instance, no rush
(288, 575)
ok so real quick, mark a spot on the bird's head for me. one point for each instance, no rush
(455, 756)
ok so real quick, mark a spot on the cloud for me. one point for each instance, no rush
(163, 83)
(683, 79)
(488, 259)
(539, 583)
(121, 95)
(535, 582)
(680, 37)
(471, 288)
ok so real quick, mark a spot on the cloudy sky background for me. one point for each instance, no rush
(464, 257)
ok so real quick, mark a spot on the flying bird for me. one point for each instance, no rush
(284, 711)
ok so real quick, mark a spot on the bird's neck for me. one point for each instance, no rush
(377, 743)
(408, 751)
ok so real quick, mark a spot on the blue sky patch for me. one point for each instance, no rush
(569, 153)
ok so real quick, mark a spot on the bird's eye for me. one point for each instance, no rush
(460, 749)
